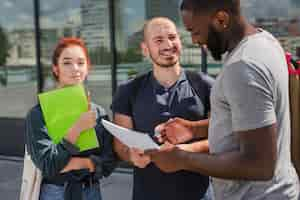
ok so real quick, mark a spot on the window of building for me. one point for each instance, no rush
(77, 18)
(18, 85)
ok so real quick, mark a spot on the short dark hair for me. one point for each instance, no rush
(210, 6)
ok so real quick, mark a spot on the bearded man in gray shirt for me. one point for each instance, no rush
(249, 130)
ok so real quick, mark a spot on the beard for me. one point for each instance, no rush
(216, 43)
(161, 64)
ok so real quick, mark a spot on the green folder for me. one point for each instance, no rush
(61, 109)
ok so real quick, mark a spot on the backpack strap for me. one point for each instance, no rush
(135, 86)
(201, 86)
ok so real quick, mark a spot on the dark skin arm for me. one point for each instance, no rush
(255, 160)
(178, 130)
(199, 146)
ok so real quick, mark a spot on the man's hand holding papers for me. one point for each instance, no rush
(136, 142)
(130, 138)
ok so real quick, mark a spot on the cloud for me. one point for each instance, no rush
(18, 14)
(47, 22)
(266, 8)
(61, 19)
(25, 17)
(56, 6)
(129, 11)
(7, 4)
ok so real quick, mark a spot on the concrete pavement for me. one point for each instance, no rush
(116, 187)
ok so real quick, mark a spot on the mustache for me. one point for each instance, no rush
(173, 49)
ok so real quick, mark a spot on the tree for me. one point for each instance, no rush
(4, 47)
(100, 56)
(131, 55)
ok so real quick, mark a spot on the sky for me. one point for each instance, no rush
(133, 15)
(266, 8)
(19, 13)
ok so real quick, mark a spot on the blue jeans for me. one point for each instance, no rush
(55, 192)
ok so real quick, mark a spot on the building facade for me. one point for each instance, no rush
(29, 31)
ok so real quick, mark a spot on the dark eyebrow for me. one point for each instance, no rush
(67, 58)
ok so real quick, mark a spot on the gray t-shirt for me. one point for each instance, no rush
(252, 92)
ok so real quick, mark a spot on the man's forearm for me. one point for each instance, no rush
(121, 150)
(199, 146)
(200, 128)
(231, 165)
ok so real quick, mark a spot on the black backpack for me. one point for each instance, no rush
(200, 82)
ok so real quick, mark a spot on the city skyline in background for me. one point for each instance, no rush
(89, 19)
(133, 12)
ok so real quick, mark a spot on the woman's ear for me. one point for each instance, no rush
(55, 70)
(89, 68)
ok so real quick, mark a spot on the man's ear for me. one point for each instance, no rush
(144, 48)
(221, 20)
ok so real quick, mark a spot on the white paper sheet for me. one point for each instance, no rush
(129, 137)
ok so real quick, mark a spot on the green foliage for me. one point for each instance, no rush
(130, 56)
(4, 46)
(100, 56)
(132, 72)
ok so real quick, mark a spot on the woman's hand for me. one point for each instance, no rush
(77, 163)
(86, 121)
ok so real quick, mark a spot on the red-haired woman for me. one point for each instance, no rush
(68, 174)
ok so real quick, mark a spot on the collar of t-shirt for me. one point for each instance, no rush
(165, 96)
(260, 32)
(161, 89)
